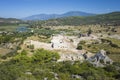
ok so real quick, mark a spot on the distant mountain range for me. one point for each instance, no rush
(112, 18)
(54, 16)
(69, 18)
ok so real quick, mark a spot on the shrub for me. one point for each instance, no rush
(42, 55)
(82, 42)
(79, 47)
(24, 52)
(110, 68)
(89, 32)
(18, 48)
(31, 46)
(114, 45)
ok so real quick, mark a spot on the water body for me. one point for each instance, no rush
(22, 29)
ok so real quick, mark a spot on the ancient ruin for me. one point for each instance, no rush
(100, 59)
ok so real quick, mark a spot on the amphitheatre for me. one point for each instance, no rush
(64, 45)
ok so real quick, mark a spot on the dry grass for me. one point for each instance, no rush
(4, 51)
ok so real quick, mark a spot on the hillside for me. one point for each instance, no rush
(9, 21)
(62, 52)
(73, 18)
(104, 19)
(54, 16)
(30, 62)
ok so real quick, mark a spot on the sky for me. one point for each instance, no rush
(24, 8)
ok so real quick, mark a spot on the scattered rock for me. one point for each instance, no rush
(100, 59)
(76, 76)
(45, 78)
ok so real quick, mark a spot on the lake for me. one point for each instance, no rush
(22, 29)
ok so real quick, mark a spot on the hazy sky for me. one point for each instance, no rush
(23, 8)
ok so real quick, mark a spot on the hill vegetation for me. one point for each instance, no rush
(9, 21)
(42, 66)
(24, 62)
(54, 16)
(104, 20)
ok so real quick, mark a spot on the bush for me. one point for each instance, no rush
(24, 52)
(42, 55)
(31, 46)
(89, 32)
(114, 45)
(18, 48)
(110, 68)
(82, 42)
(79, 47)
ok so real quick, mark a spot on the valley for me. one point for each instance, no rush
(68, 48)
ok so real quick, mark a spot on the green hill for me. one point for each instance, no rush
(104, 19)
(9, 21)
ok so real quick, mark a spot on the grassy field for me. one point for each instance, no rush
(8, 28)
(11, 27)
(96, 29)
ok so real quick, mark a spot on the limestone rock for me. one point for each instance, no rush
(100, 59)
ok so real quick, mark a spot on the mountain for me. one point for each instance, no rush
(54, 16)
(76, 13)
(103, 19)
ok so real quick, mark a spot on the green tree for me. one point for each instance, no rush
(89, 32)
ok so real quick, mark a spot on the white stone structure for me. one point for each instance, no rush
(37, 44)
(65, 45)
(61, 42)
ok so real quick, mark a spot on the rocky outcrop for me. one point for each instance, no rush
(100, 59)
(71, 57)
(61, 42)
